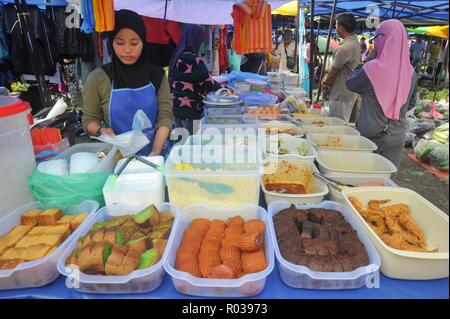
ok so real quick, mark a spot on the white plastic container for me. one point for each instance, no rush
(318, 190)
(348, 143)
(338, 130)
(17, 160)
(246, 286)
(290, 144)
(352, 164)
(279, 127)
(139, 184)
(321, 121)
(42, 271)
(230, 124)
(298, 276)
(431, 220)
(139, 281)
(232, 179)
(105, 165)
(336, 196)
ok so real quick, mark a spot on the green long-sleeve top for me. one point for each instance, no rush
(96, 94)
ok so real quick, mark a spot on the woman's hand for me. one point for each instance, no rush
(107, 131)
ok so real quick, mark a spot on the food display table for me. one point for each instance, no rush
(274, 289)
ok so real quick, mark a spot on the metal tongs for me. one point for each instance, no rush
(335, 185)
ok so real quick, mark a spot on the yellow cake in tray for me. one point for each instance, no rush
(41, 232)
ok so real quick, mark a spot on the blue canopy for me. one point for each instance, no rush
(410, 12)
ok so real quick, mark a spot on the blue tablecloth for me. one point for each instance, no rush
(274, 289)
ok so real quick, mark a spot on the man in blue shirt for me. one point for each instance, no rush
(416, 53)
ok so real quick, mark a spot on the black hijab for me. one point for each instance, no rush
(138, 74)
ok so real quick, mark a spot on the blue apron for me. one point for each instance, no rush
(135, 109)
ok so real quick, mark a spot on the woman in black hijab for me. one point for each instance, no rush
(129, 93)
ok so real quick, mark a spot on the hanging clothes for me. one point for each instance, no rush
(253, 27)
(4, 51)
(45, 56)
(104, 15)
(162, 31)
(87, 11)
(223, 49)
(67, 40)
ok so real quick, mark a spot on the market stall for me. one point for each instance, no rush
(270, 198)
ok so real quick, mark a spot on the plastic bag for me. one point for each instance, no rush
(439, 158)
(424, 148)
(128, 143)
(65, 191)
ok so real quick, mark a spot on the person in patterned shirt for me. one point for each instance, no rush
(189, 79)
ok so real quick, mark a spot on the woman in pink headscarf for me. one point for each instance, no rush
(388, 86)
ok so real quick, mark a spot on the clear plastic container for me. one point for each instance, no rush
(230, 179)
(298, 276)
(229, 124)
(138, 185)
(336, 196)
(106, 164)
(352, 164)
(224, 111)
(139, 281)
(347, 143)
(434, 223)
(318, 189)
(339, 130)
(246, 286)
(17, 161)
(42, 271)
(322, 121)
(291, 144)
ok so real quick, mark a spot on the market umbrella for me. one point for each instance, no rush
(435, 31)
(289, 9)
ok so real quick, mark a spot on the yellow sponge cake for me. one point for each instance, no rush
(30, 217)
(49, 217)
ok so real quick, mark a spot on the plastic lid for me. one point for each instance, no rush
(12, 106)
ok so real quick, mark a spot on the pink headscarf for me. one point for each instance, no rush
(391, 72)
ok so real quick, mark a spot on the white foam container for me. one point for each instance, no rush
(105, 165)
(434, 223)
(336, 196)
(139, 184)
(139, 281)
(352, 164)
(246, 286)
(298, 276)
(291, 142)
(323, 121)
(318, 193)
(42, 271)
(349, 143)
(339, 130)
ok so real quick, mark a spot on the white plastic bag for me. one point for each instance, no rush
(128, 143)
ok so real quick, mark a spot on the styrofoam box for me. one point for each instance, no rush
(237, 168)
(352, 164)
(139, 184)
(139, 281)
(42, 271)
(298, 276)
(281, 126)
(291, 142)
(322, 121)
(340, 130)
(106, 164)
(318, 191)
(246, 286)
(431, 220)
(336, 196)
(349, 142)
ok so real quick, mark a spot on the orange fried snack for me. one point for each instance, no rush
(235, 221)
(254, 225)
(253, 262)
(251, 241)
(221, 272)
